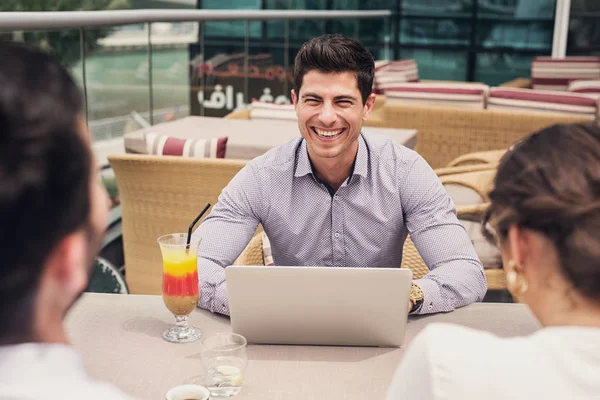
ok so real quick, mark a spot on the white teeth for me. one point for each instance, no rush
(328, 133)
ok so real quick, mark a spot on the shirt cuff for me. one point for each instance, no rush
(221, 300)
(214, 298)
(431, 296)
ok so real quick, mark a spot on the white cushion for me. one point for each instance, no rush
(260, 110)
(541, 101)
(439, 94)
(462, 195)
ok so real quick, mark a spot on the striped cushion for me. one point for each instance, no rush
(260, 110)
(549, 73)
(379, 64)
(390, 80)
(439, 94)
(398, 65)
(388, 74)
(588, 87)
(165, 145)
(548, 102)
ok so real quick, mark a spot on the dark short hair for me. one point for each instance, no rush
(45, 172)
(550, 183)
(335, 53)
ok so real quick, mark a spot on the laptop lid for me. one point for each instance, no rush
(319, 305)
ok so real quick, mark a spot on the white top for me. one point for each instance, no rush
(49, 371)
(452, 362)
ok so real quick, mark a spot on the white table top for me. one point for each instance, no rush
(120, 339)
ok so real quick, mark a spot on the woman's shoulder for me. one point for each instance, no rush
(564, 358)
(444, 332)
(466, 350)
(450, 361)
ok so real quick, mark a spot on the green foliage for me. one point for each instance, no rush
(64, 44)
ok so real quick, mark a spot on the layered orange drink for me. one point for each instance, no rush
(180, 280)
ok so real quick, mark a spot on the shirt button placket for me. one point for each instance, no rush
(338, 229)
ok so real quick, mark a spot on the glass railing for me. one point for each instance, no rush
(138, 68)
(143, 67)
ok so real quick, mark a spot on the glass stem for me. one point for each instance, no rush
(182, 321)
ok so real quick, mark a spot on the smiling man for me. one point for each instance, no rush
(338, 197)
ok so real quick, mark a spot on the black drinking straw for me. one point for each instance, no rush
(189, 236)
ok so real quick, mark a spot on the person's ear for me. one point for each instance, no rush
(368, 107)
(66, 267)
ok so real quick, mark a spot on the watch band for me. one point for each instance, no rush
(416, 297)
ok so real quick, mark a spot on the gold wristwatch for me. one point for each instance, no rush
(416, 297)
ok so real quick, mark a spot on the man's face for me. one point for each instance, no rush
(331, 113)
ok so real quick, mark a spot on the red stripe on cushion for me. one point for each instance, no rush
(543, 97)
(221, 146)
(173, 147)
(381, 67)
(587, 90)
(435, 90)
(550, 81)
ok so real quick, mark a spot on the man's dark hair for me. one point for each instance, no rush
(45, 172)
(335, 53)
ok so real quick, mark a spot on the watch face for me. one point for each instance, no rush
(416, 293)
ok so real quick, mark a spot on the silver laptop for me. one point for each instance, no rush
(319, 305)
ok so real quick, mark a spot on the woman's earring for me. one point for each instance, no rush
(515, 282)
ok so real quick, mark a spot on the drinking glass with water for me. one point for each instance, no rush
(224, 358)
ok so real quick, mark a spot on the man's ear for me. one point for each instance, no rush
(294, 98)
(66, 267)
(368, 107)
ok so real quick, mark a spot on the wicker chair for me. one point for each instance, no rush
(253, 253)
(239, 114)
(464, 169)
(491, 157)
(411, 259)
(161, 195)
(446, 133)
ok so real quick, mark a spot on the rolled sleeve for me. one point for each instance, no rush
(213, 288)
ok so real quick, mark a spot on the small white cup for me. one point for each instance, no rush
(184, 392)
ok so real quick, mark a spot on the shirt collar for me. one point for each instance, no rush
(304, 167)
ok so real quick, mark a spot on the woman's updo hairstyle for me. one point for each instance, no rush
(550, 183)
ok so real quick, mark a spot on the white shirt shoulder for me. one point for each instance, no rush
(453, 362)
(34, 371)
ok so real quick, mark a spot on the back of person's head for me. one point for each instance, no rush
(549, 183)
(335, 54)
(45, 187)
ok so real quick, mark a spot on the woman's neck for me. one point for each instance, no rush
(569, 308)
